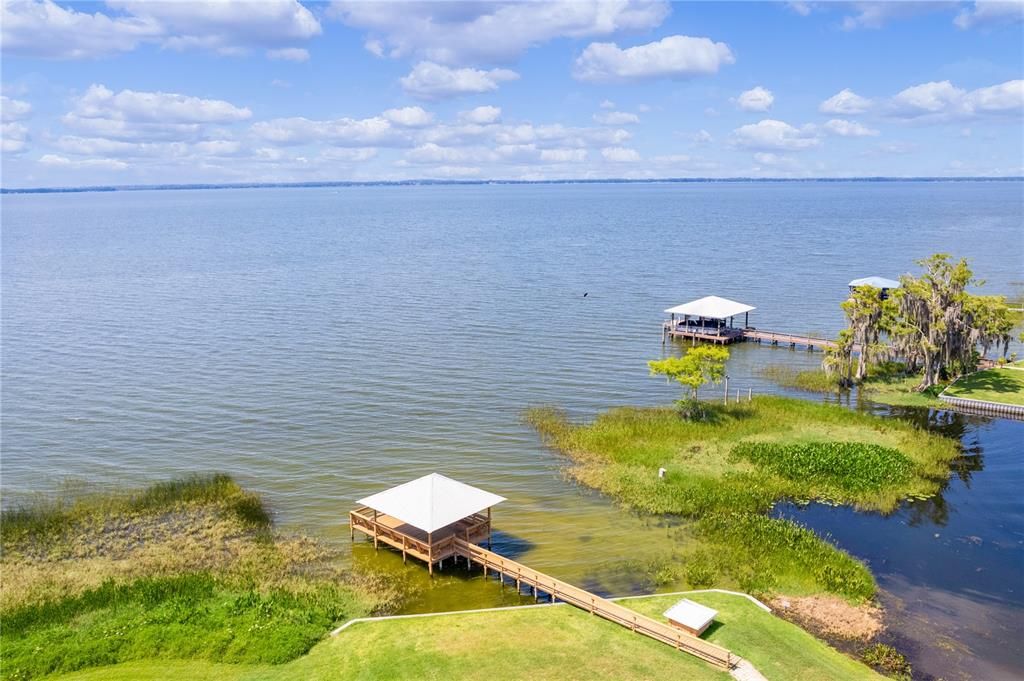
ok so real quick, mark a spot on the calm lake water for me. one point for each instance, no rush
(323, 344)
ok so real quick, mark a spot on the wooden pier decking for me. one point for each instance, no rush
(592, 603)
(729, 335)
(430, 547)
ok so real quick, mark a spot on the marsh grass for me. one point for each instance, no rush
(48, 518)
(189, 568)
(811, 380)
(726, 472)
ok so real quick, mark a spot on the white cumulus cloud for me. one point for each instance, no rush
(13, 109)
(345, 132)
(703, 137)
(98, 101)
(409, 117)
(1008, 96)
(13, 137)
(846, 102)
(563, 155)
(431, 81)
(755, 99)
(773, 135)
(296, 54)
(481, 115)
(59, 161)
(462, 33)
(676, 56)
(844, 128)
(616, 118)
(990, 12)
(620, 154)
(42, 28)
(940, 101)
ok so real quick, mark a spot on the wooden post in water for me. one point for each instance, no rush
(375, 530)
(430, 553)
(727, 389)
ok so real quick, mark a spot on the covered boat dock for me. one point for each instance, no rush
(422, 518)
(710, 320)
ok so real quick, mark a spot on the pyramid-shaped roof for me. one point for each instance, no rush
(431, 502)
(711, 307)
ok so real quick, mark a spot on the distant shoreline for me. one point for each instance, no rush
(407, 183)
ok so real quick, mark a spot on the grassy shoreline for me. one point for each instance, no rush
(723, 475)
(545, 642)
(190, 568)
(888, 385)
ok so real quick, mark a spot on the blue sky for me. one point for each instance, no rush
(149, 91)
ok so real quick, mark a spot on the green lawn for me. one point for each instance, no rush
(529, 643)
(1002, 385)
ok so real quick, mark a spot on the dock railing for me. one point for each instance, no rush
(596, 605)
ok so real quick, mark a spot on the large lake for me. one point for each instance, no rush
(323, 344)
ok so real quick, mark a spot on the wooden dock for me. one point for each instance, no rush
(460, 540)
(430, 547)
(729, 335)
(595, 605)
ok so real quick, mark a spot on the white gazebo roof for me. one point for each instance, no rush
(711, 307)
(877, 282)
(431, 502)
(690, 614)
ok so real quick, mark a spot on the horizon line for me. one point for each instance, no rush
(474, 182)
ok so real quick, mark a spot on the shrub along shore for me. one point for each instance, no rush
(190, 569)
(724, 473)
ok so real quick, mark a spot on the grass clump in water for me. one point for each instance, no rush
(811, 380)
(889, 660)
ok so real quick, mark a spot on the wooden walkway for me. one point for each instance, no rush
(730, 335)
(595, 605)
(790, 339)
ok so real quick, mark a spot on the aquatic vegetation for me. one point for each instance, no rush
(190, 568)
(726, 472)
(811, 380)
(887, 659)
(765, 553)
(46, 519)
(847, 468)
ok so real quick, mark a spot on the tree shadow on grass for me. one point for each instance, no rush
(988, 381)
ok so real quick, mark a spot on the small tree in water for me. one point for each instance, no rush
(700, 365)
